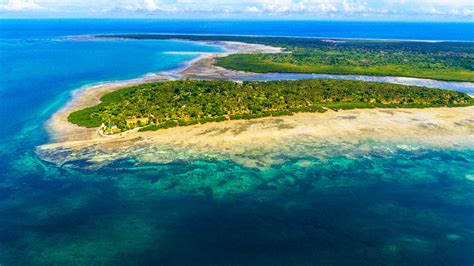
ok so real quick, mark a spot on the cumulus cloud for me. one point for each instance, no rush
(291, 6)
(20, 5)
(355, 7)
(150, 5)
(468, 12)
(253, 9)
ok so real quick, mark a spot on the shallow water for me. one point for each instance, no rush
(385, 204)
(391, 206)
(467, 87)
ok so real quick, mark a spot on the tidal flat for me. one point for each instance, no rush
(256, 143)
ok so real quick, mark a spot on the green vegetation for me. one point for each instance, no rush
(452, 61)
(187, 102)
(362, 58)
(341, 62)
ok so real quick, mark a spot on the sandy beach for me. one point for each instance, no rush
(254, 143)
(204, 68)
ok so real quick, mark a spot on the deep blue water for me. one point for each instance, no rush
(370, 30)
(391, 206)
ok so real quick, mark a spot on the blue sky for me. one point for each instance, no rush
(408, 10)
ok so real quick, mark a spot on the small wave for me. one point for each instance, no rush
(187, 53)
(408, 147)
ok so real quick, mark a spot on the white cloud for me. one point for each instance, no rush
(468, 12)
(150, 5)
(408, 9)
(20, 5)
(253, 9)
(280, 6)
(291, 6)
(433, 11)
(355, 7)
(327, 7)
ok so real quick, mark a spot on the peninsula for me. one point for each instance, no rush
(451, 61)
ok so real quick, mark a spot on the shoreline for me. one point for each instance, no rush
(304, 37)
(261, 143)
(59, 128)
(209, 71)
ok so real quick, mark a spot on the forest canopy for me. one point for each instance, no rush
(158, 105)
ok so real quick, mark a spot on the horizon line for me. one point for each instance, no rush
(238, 19)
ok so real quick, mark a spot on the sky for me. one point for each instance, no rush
(398, 10)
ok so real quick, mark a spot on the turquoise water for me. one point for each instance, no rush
(385, 206)
(400, 208)
(45, 71)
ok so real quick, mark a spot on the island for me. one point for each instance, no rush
(161, 105)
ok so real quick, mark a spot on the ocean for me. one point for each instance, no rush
(430, 31)
(388, 205)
